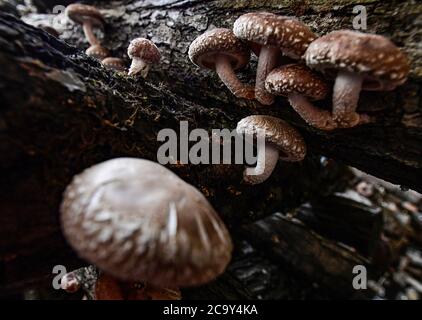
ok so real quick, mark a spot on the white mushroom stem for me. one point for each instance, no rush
(226, 73)
(346, 93)
(139, 66)
(267, 61)
(89, 34)
(314, 116)
(267, 158)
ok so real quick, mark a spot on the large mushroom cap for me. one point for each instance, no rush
(144, 49)
(204, 49)
(377, 58)
(278, 132)
(268, 29)
(81, 13)
(296, 78)
(136, 220)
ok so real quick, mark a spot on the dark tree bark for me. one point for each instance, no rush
(61, 112)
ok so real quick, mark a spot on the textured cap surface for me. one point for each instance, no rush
(144, 49)
(374, 56)
(81, 13)
(97, 51)
(286, 138)
(114, 63)
(204, 49)
(264, 28)
(296, 78)
(136, 220)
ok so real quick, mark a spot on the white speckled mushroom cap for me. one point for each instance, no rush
(144, 49)
(268, 29)
(114, 63)
(81, 13)
(296, 78)
(97, 51)
(278, 132)
(220, 41)
(376, 57)
(136, 220)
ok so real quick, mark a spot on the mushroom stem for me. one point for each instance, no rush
(227, 75)
(346, 93)
(139, 66)
(267, 61)
(89, 34)
(314, 116)
(267, 159)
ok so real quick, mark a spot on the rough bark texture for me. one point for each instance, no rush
(61, 112)
(390, 148)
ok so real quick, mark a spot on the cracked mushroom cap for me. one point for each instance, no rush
(82, 13)
(296, 78)
(383, 65)
(97, 51)
(220, 41)
(136, 220)
(268, 29)
(287, 139)
(144, 49)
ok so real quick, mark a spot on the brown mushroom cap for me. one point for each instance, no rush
(220, 41)
(136, 220)
(81, 13)
(144, 49)
(286, 138)
(296, 78)
(114, 63)
(97, 51)
(382, 64)
(268, 29)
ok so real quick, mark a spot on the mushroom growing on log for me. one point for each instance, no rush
(275, 35)
(358, 61)
(143, 53)
(219, 49)
(298, 83)
(281, 141)
(89, 17)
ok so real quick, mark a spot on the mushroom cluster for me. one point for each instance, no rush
(137, 221)
(355, 61)
(143, 52)
(90, 18)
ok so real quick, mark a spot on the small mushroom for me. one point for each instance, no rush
(89, 17)
(97, 51)
(114, 63)
(138, 221)
(358, 61)
(275, 35)
(143, 53)
(281, 141)
(70, 283)
(220, 50)
(299, 84)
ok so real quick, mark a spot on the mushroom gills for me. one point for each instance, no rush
(267, 158)
(226, 73)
